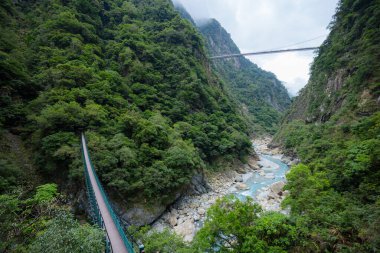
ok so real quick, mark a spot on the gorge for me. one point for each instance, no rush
(170, 132)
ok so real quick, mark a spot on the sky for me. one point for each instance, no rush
(257, 25)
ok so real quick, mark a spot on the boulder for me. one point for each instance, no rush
(199, 185)
(173, 220)
(286, 160)
(241, 186)
(242, 169)
(186, 230)
(272, 195)
(252, 163)
(201, 211)
(181, 220)
(239, 178)
(277, 187)
(141, 215)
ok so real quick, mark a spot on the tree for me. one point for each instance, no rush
(65, 235)
(241, 226)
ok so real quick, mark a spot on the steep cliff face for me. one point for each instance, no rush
(261, 94)
(260, 91)
(344, 82)
(334, 126)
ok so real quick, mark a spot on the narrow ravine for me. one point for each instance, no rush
(262, 180)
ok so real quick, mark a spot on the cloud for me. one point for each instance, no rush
(291, 68)
(257, 25)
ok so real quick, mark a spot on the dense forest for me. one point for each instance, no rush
(259, 92)
(134, 77)
(334, 127)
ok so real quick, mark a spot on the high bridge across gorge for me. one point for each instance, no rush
(264, 52)
(101, 210)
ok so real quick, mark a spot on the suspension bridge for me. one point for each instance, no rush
(264, 52)
(101, 210)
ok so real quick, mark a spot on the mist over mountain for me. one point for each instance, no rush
(261, 94)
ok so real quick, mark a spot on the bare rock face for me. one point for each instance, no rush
(141, 215)
(336, 82)
(199, 184)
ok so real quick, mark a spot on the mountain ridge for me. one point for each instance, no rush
(262, 96)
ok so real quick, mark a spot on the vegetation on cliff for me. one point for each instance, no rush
(334, 127)
(132, 75)
(41, 221)
(261, 94)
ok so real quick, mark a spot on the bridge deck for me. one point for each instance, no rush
(264, 52)
(114, 236)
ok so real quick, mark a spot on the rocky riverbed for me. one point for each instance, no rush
(186, 216)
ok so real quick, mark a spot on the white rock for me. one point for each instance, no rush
(201, 211)
(277, 187)
(239, 178)
(241, 186)
(186, 230)
(173, 220)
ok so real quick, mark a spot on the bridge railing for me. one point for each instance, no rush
(94, 205)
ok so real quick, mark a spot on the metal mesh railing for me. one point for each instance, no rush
(94, 208)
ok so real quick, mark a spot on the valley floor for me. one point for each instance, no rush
(187, 215)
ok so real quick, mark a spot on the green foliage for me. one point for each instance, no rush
(344, 80)
(9, 208)
(64, 234)
(165, 241)
(45, 193)
(260, 93)
(342, 174)
(42, 223)
(128, 70)
(334, 194)
(236, 226)
(10, 174)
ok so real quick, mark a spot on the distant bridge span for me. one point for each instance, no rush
(264, 52)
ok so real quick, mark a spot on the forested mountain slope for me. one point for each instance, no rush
(259, 91)
(133, 76)
(334, 127)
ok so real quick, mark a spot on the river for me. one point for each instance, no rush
(272, 170)
(262, 180)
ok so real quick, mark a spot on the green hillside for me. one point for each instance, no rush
(334, 127)
(133, 76)
(261, 94)
(130, 74)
